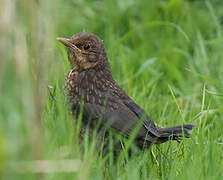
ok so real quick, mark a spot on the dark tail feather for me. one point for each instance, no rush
(174, 133)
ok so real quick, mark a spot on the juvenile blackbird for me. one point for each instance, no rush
(90, 80)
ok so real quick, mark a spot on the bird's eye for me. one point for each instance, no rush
(86, 46)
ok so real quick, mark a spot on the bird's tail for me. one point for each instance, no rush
(174, 133)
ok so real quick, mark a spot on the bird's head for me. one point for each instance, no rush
(86, 51)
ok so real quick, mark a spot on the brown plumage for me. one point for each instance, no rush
(91, 79)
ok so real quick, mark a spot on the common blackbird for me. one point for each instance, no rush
(90, 81)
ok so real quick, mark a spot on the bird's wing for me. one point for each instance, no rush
(121, 112)
(140, 113)
(122, 120)
(136, 109)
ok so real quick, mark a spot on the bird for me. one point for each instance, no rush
(90, 81)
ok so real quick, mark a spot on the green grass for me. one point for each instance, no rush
(166, 54)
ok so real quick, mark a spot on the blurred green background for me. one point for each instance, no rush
(166, 54)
